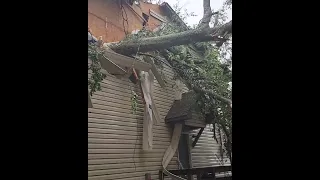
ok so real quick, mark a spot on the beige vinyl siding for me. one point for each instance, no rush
(115, 134)
(207, 150)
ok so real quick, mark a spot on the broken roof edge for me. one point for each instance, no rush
(169, 9)
(181, 107)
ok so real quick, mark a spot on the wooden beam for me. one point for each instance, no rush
(177, 130)
(155, 72)
(126, 61)
(154, 108)
(111, 67)
(197, 137)
(146, 80)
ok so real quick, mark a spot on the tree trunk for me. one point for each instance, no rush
(201, 34)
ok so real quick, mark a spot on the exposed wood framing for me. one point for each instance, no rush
(171, 150)
(111, 67)
(197, 137)
(155, 72)
(121, 60)
(126, 61)
(157, 16)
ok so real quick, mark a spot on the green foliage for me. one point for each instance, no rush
(204, 66)
(97, 76)
(200, 65)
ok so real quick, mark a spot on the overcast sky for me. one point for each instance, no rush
(196, 7)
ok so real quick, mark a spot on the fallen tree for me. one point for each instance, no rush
(201, 71)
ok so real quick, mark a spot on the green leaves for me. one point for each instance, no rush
(97, 76)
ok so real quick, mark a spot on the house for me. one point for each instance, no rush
(115, 134)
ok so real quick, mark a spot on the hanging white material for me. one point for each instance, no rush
(168, 155)
(151, 113)
(146, 81)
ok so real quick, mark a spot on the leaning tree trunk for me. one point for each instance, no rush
(201, 34)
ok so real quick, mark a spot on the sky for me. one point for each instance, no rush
(196, 7)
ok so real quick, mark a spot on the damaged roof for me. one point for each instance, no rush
(180, 108)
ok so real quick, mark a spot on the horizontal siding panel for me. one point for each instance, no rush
(123, 141)
(122, 146)
(123, 175)
(130, 133)
(116, 172)
(93, 113)
(207, 150)
(124, 122)
(93, 168)
(125, 151)
(123, 107)
(112, 113)
(121, 136)
(124, 158)
(115, 133)
(137, 156)
(116, 109)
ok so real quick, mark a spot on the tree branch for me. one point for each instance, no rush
(166, 41)
(155, 58)
(207, 14)
(217, 96)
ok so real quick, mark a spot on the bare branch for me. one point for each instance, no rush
(207, 14)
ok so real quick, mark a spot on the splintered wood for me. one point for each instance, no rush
(150, 110)
(168, 155)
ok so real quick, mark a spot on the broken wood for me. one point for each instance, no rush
(171, 150)
(126, 61)
(155, 72)
(111, 67)
(155, 111)
(146, 80)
